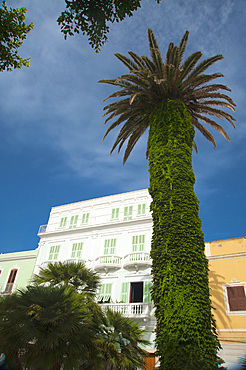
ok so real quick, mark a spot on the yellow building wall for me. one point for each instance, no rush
(227, 262)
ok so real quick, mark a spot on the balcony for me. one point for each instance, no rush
(42, 229)
(137, 261)
(132, 310)
(44, 264)
(107, 263)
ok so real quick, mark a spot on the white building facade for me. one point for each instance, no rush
(112, 235)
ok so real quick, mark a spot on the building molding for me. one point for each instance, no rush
(227, 256)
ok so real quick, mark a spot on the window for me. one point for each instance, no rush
(115, 214)
(128, 212)
(63, 222)
(85, 218)
(11, 280)
(141, 209)
(109, 246)
(77, 250)
(54, 251)
(73, 222)
(236, 298)
(138, 243)
(104, 294)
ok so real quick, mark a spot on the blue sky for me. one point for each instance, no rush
(51, 127)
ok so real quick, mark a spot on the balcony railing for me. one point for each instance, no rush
(108, 262)
(137, 260)
(42, 229)
(134, 310)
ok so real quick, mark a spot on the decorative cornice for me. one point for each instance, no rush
(227, 256)
(14, 258)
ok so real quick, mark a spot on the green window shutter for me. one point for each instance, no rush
(125, 292)
(108, 289)
(101, 289)
(73, 221)
(79, 250)
(74, 250)
(106, 246)
(112, 246)
(113, 214)
(51, 253)
(143, 208)
(141, 242)
(130, 213)
(125, 213)
(63, 222)
(135, 243)
(139, 209)
(56, 252)
(146, 293)
(85, 218)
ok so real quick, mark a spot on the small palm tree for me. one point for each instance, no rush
(46, 327)
(171, 98)
(119, 344)
(74, 274)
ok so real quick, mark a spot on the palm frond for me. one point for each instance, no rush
(204, 65)
(152, 81)
(189, 64)
(183, 43)
(126, 61)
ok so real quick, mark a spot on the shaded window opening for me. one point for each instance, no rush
(11, 281)
(136, 292)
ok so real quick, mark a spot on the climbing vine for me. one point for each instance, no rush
(185, 334)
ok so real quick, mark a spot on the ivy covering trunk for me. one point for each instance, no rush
(186, 337)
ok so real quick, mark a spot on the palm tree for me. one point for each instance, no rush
(119, 344)
(74, 274)
(47, 328)
(170, 98)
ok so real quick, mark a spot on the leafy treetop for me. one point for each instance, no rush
(13, 31)
(91, 16)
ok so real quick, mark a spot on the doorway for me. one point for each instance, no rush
(136, 292)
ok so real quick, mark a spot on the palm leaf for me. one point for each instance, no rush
(151, 82)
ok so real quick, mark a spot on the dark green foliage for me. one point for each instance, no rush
(61, 326)
(73, 274)
(91, 17)
(13, 31)
(118, 344)
(46, 327)
(185, 330)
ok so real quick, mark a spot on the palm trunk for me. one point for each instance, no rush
(185, 332)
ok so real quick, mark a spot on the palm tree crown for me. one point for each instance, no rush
(73, 274)
(152, 81)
